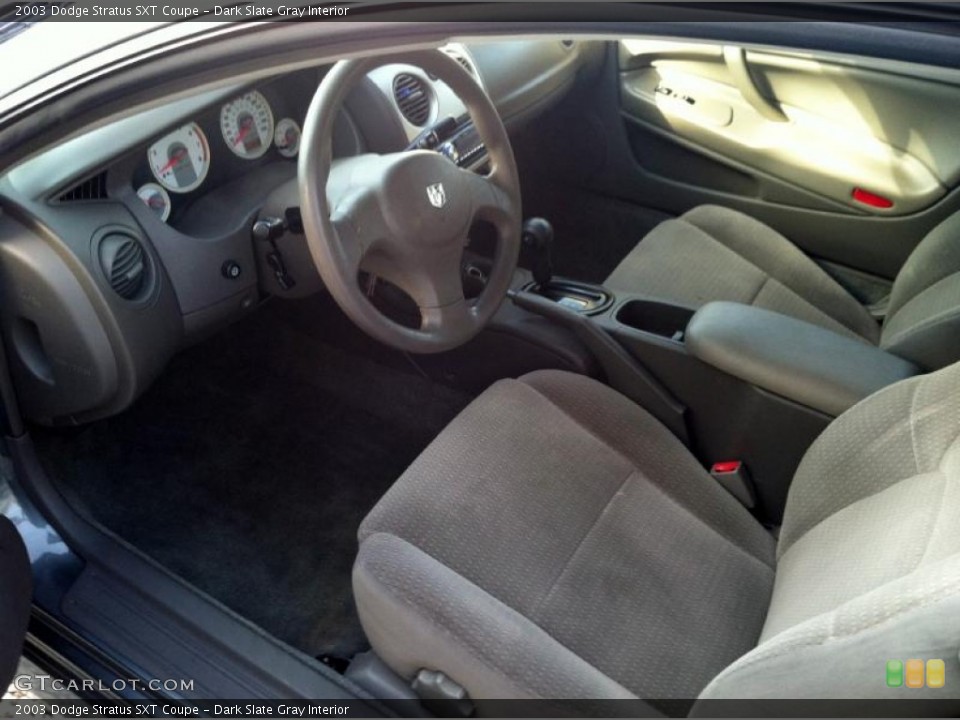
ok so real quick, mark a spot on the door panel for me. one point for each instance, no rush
(673, 159)
(824, 127)
(15, 593)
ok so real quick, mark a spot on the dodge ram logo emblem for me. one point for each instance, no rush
(436, 195)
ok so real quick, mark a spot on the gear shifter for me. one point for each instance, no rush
(537, 239)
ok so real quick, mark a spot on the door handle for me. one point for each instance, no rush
(736, 59)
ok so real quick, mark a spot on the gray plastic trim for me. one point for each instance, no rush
(90, 352)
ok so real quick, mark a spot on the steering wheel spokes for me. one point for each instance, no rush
(460, 315)
(406, 216)
(492, 201)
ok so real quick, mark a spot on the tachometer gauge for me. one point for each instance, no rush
(247, 125)
(180, 160)
(287, 137)
(155, 198)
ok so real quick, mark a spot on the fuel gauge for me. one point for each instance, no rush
(287, 137)
(155, 198)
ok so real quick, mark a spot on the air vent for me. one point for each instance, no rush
(457, 52)
(413, 98)
(94, 188)
(124, 264)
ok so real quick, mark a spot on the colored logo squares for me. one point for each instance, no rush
(915, 673)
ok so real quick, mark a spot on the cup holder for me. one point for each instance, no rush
(658, 318)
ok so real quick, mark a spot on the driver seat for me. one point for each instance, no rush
(556, 541)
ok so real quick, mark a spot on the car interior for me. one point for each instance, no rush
(541, 367)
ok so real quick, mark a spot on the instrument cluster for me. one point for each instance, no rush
(180, 161)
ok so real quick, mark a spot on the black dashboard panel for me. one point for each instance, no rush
(205, 244)
(98, 291)
(76, 349)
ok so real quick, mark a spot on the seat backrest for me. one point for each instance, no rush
(923, 320)
(868, 563)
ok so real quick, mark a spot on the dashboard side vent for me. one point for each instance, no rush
(124, 264)
(459, 53)
(466, 64)
(413, 98)
(93, 188)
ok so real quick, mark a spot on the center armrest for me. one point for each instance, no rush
(805, 363)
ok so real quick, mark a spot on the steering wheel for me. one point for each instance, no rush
(405, 216)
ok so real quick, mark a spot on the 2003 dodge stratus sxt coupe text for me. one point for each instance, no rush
(485, 367)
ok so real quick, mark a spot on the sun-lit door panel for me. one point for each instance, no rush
(851, 134)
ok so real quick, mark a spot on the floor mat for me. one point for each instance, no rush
(248, 466)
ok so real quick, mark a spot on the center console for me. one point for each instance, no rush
(733, 382)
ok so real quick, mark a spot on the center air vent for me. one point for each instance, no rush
(124, 264)
(413, 98)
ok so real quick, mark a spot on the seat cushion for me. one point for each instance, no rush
(556, 541)
(714, 253)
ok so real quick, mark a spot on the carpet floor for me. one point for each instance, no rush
(247, 467)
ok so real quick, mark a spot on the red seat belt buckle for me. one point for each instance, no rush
(733, 476)
(726, 466)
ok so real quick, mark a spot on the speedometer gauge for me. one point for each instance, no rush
(247, 125)
(180, 160)
(155, 198)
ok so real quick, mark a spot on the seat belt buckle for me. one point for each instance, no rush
(734, 477)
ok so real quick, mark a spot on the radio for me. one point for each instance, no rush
(465, 148)
(459, 143)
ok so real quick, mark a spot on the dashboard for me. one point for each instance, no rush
(136, 238)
